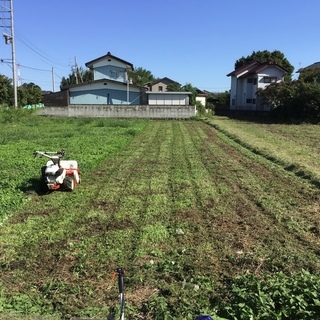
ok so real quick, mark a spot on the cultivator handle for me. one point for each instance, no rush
(120, 272)
(53, 156)
(49, 154)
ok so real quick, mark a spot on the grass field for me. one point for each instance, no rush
(212, 217)
(294, 146)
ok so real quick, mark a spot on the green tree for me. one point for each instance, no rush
(82, 76)
(85, 75)
(310, 75)
(220, 99)
(141, 76)
(6, 91)
(174, 87)
(277, 95)
(306, 101)
(189, 88)
(29, 94)
(267, 56)
(296, 99)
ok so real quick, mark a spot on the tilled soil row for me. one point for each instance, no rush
(179, 197)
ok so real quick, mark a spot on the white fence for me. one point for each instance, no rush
(121, 111)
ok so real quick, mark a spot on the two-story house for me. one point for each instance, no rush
(247, 79)
(110, 86)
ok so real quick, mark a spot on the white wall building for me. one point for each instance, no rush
(168, 98)
(246, 80)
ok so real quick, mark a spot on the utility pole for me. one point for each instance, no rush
(76, 69)
(7, 23)
(128, 84)
(52, 74)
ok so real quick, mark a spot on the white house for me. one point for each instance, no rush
(247, 79)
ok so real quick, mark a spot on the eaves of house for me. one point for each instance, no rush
(242, 69)
(254, 67)
(164, 80)
(107, 56)
(98, 81)
(261, 67)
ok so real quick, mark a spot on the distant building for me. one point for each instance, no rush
(247, 79)
(168, 98)
(111, 94)
(315, 65)
(161, 85)
(202, 97)
(312, 67)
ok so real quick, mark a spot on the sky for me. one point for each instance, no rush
(190, 41)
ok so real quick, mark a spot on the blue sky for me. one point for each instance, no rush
(190, 41)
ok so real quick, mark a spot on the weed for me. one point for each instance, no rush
(201, 222)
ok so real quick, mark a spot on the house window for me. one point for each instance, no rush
(252, 81)
(160, 88)
(249, 100)
(233, 102)
(270, 79)
(113, 74)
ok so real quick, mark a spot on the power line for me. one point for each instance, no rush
(34, 68)
(22, 39)
(30, 80)
(6, 22)
(58, 76)
(40, 54)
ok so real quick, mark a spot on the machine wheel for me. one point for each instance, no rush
(69, 183)
(43, 171)
(43, 187)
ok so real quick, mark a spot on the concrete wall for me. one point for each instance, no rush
(114, 111)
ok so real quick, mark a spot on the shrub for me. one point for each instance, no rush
(276, 296)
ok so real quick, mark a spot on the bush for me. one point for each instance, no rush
(10, 115)
(276, 296)
(297, 99)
